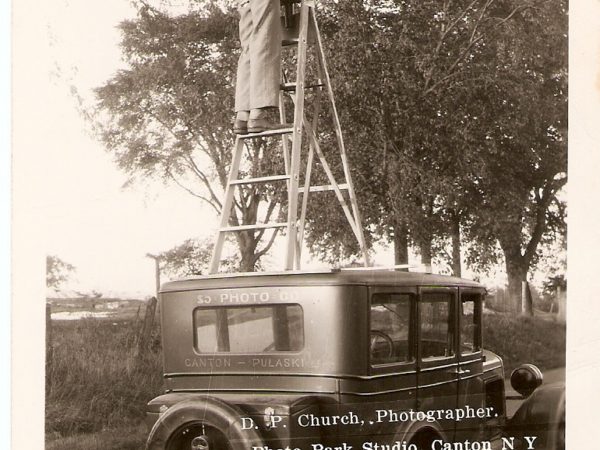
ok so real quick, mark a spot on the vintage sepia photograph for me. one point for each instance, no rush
(296, 224)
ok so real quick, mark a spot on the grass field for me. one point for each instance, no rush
(518, 340)
(97, 385)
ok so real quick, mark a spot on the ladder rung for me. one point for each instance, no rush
(325, 187)
(289, 42)
(291, 87)
(261, 179)
(258, 226)
(275, 132)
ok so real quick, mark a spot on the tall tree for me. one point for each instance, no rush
(168, 114)
(523, 110)
(397, 68)
(458, 122)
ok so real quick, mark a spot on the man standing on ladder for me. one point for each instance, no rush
(258, 89)
(259, 66)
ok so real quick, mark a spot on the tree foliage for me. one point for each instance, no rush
(455, 117)
(57, 271)
(190, 258)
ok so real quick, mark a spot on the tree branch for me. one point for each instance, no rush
(203, 178)
(472, 42)
(443, 34)
(548, 193)
(262, 252)
(217, 208)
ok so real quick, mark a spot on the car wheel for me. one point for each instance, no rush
(197, 436)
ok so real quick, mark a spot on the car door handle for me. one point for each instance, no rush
(459, 371)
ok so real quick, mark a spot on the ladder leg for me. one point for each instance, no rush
(307, 177)
(284, 137)
(227, 204)
(315, 125)
(303, 209)
(340, 140)
(351, 219)
(297, 139)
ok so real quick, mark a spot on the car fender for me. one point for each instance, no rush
(409, 432)
(541, 415)
(209, 411)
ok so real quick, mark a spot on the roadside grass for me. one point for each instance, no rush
(520, 339)
(96, 381)
(123, 438)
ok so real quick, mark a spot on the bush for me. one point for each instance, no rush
(521, 339)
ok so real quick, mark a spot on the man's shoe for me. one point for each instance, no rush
(240, 126)
(264, 124)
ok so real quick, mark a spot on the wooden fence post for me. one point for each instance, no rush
(526, 299)
(49, 347)
(147, 326)
(561, 300)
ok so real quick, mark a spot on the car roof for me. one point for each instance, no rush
(332, 277)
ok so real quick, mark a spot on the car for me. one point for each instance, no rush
(366, 359)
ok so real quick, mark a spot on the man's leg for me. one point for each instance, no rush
(265, 54)
(242, 85)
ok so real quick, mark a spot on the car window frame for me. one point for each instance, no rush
(468, 292)
(396, 366)
(441, 361)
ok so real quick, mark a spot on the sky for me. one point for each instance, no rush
(90, 220)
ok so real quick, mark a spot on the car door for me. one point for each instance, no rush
(471, 388)
(437, 371)
(391, 383)
(392, 356)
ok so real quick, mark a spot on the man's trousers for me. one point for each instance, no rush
(259, 66)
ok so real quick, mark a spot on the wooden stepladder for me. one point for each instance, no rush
(305, 33)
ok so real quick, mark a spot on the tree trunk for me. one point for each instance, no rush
(157, 275)
(455, 231)
(400, 243)
(425, 246)
(516, 270)
(247, 245)
(527, 299)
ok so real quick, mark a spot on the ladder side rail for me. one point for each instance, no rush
(227, 204)
(297, 138)
(305, 195)
(285, 142)
(309, 165)
(338, 131)
(315, 123)
(284, 137)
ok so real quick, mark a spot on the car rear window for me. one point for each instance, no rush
(249, 329)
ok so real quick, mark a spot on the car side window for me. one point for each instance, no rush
(470, 324)
(390, 328)
(435, 319)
